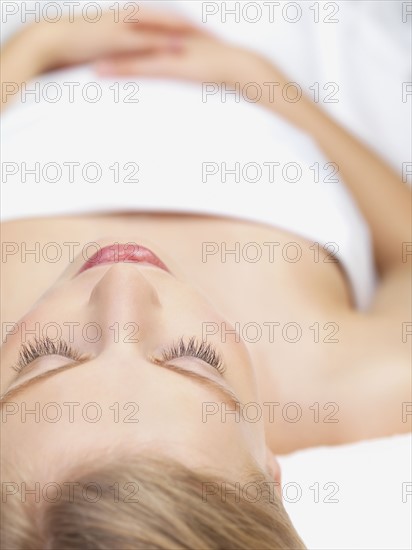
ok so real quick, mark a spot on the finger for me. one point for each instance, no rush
(146, 41)
(162, 19)
(162, 65)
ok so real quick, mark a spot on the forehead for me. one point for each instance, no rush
(100, 400)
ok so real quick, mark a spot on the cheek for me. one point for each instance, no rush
(241, 430)
(243, 380)
(46, 319)
(241, 375)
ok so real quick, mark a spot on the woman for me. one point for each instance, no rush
(173, 397)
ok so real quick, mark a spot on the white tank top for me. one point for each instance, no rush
(149, 145)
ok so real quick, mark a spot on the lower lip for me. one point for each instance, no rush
(124, 253)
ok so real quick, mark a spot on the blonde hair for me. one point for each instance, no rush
(150, 502)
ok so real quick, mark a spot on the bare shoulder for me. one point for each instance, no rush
(374, 372)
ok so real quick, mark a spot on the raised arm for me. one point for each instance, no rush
(380, 193)
(385, 201)
(21, 59)
(40, 47)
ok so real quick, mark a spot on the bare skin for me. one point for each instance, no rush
(351, 375)
(362, 379)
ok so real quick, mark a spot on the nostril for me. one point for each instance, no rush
(124, 286)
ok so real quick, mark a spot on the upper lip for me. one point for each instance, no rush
(118, 252)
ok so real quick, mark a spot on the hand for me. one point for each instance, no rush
(201, 57)
(66, 42)
(196, 56)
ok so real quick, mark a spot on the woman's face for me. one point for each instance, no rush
(114, 387)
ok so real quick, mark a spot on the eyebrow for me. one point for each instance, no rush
(222, 390)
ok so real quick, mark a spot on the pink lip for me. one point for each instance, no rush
(127, 253)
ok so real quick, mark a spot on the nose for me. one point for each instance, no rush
(124, 303)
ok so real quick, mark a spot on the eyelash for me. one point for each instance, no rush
(195, 348)
(39, 347)
(44, 346)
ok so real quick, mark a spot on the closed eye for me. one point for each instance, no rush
(40, 347)
(218, 387)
